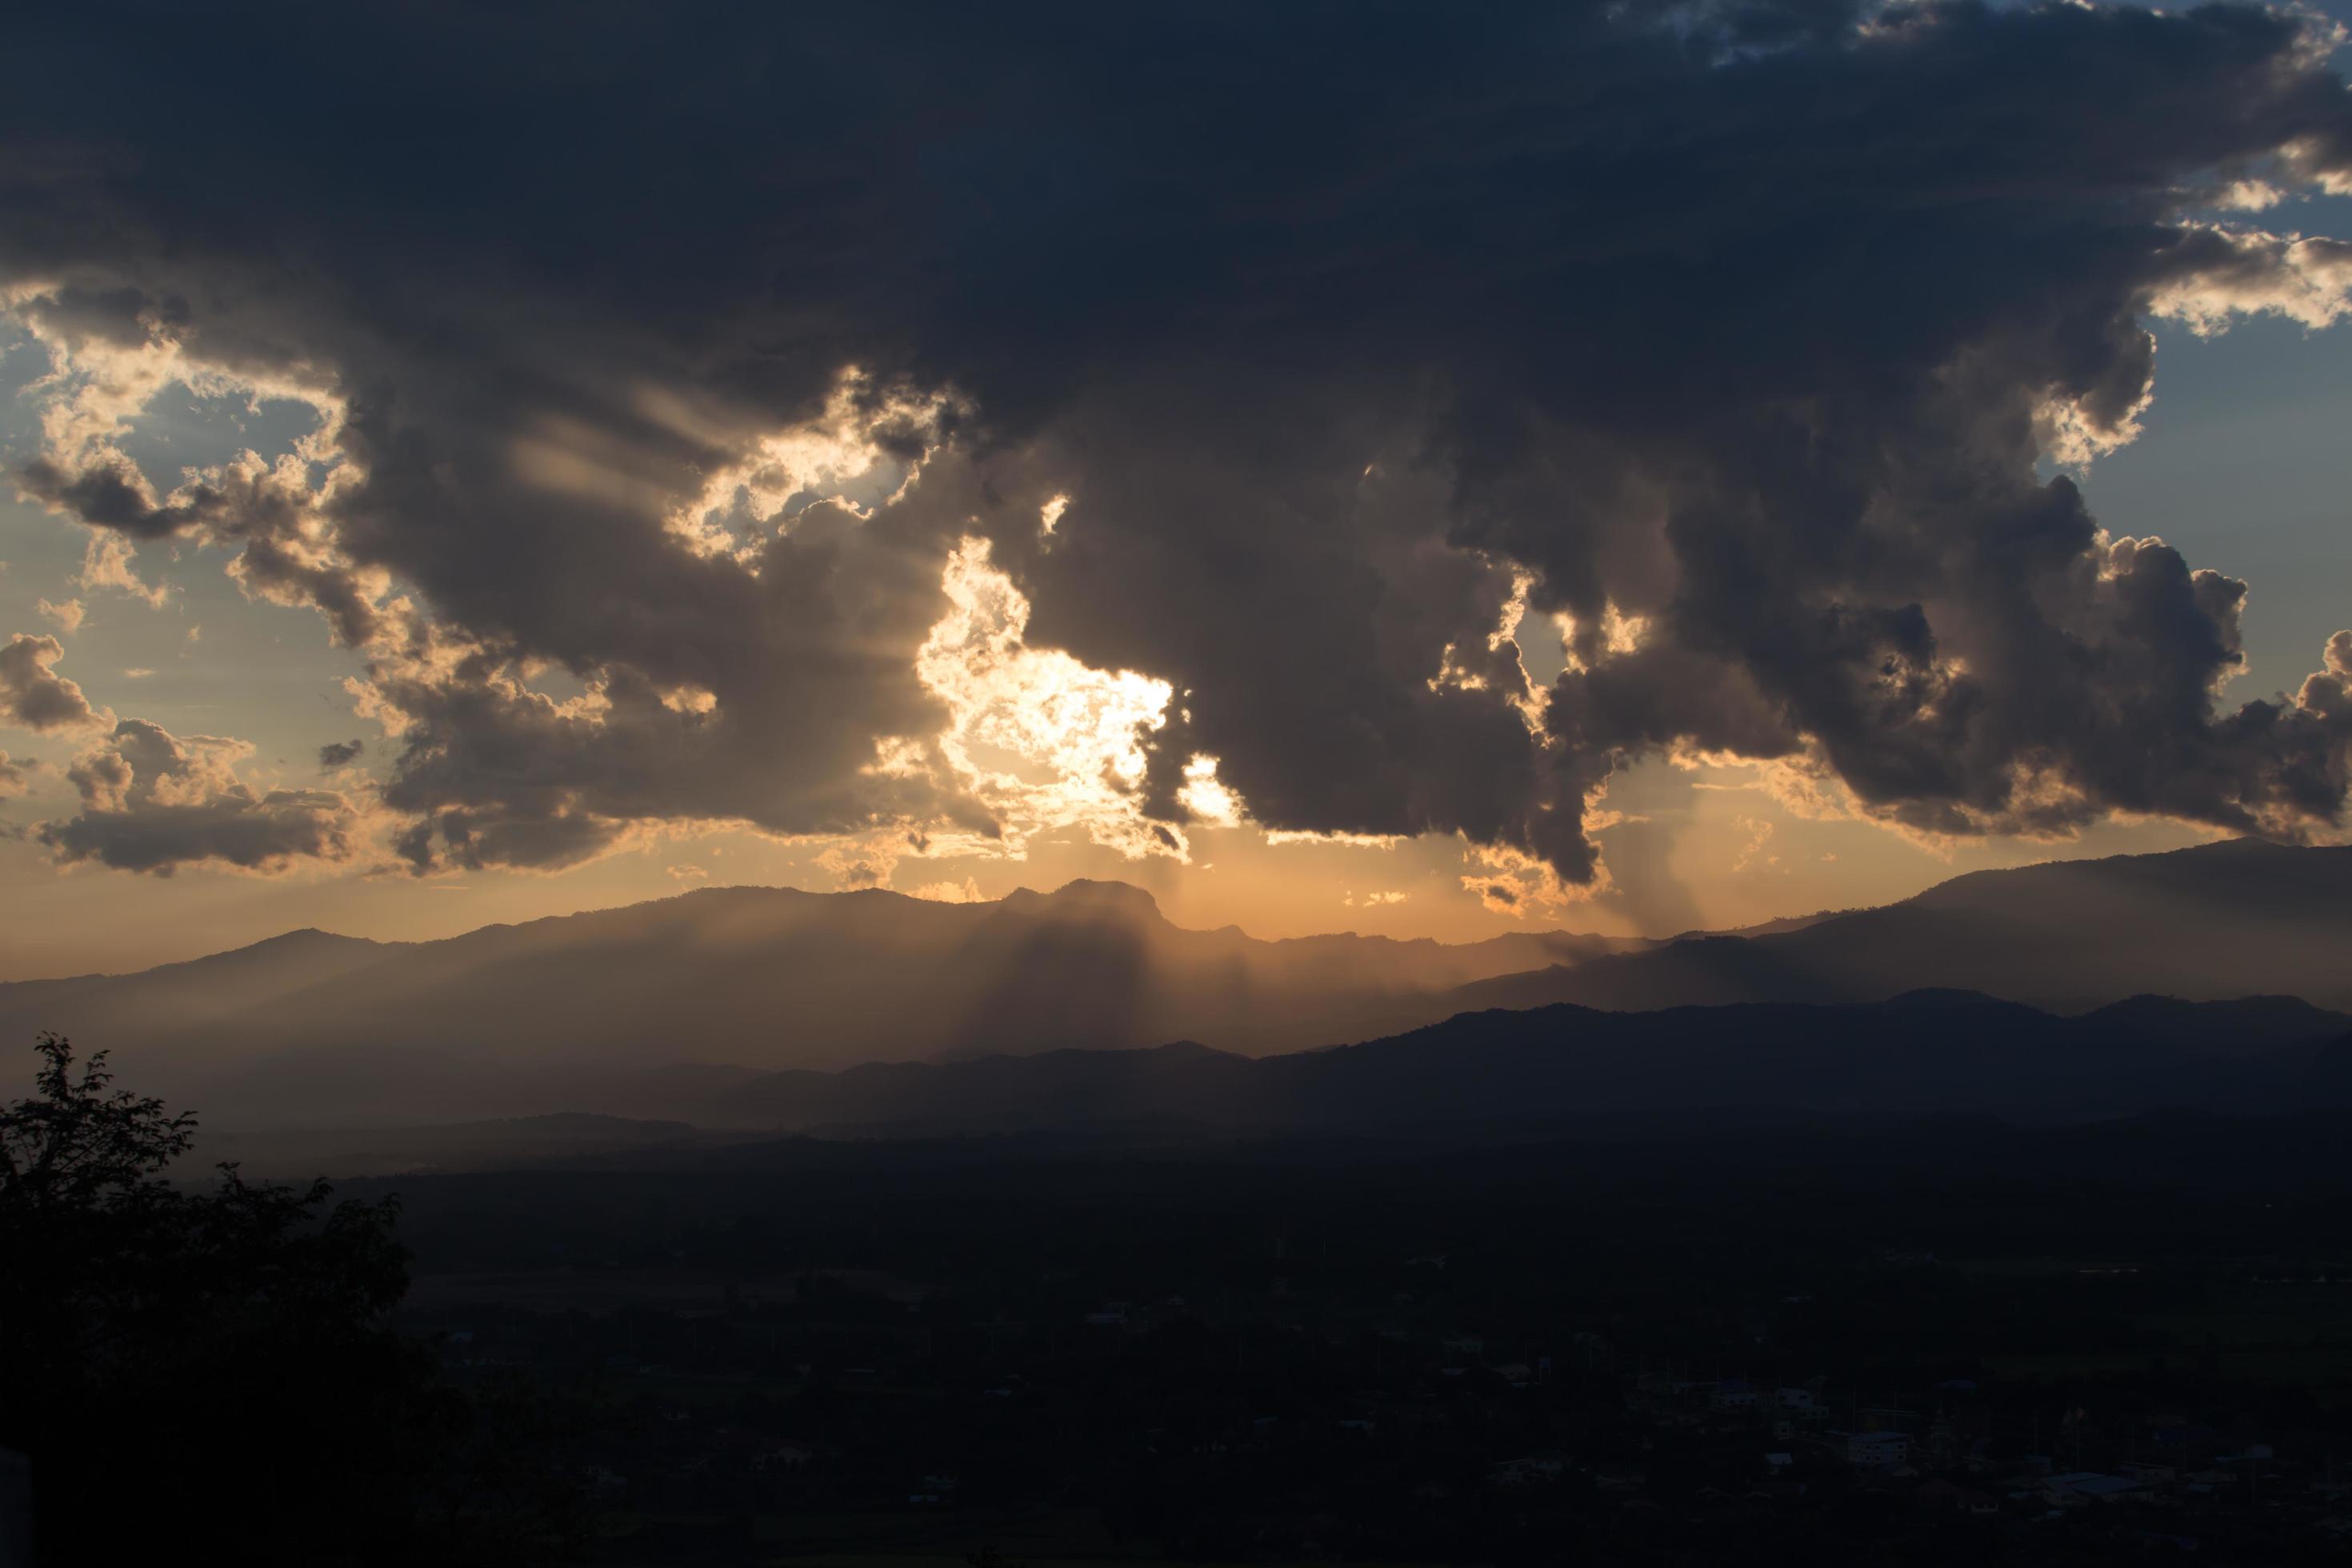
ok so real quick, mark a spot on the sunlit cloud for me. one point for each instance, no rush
(837, 455)
(109, 563)
(1510, 881)
(1207, 798)
(1041, 740)
(2251, 271)
(1756, 851)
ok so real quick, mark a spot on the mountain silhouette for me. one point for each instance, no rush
(1486, 1077)
(2219, 921)
(660, 1009)
(323, 1028)
(1925, 1052)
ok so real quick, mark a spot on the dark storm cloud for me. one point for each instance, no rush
(336, 753)
(1740, 327)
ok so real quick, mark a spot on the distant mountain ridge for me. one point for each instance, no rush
(1922, 1053)
(1552, 1072)
(2226, 920)
(314, 1029)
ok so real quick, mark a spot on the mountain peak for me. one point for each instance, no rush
(301, 942)
(301, 935)
(1089, 899)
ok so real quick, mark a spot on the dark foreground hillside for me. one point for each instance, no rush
(1691, 1336)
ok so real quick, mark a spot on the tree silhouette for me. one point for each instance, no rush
(209, 1369)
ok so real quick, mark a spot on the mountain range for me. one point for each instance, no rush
(702, 1008)
(1478, 1079)
(1922, 1053)
(2232, 918)
(313, 1024)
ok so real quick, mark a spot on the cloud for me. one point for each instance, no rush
(1512, 882)
(68, 615)
(854, 865)
(155, 801)
(964, 892)
(1205, 431)
(1753, 851)
(338, 753)
(13, 780)
(31, 696)
(108, 564)
(2224, 272)
(1037, 738)
(2328, 691)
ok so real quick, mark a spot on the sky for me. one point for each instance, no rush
(1631, 469)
